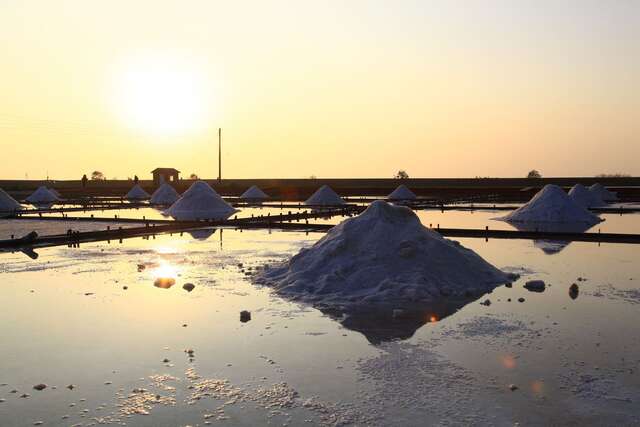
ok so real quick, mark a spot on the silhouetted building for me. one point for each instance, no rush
(161, 175)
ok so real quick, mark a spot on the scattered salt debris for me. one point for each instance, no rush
(584, 197)
(401, 193)
(200, 201)
(324, 196)
(513, 387)
(254, 194)
(42, 196)
(551, 204)
(164, 195)
(382, 256)
(137, 193)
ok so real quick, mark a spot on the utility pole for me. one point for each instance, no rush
(219, 154)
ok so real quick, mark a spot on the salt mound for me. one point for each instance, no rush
(383, 256)
(41, 196)
(137, 193)
(7, 203)
(401, 193)
(324, 196)
(200, 201)
(551, 204)
(584, 197)
(254, 193)
(164, 195)
(603, 193)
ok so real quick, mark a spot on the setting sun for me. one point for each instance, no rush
(161, 95)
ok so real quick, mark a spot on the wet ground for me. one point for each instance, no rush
(115, 322)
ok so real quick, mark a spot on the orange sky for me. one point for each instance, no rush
(332, 89)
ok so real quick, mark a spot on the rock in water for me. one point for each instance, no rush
(188, 287)
(574, 291)
(382, 256)
(535, 285)
(39, 387)
(245, 316)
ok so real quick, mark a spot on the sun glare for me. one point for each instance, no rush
(162, 95)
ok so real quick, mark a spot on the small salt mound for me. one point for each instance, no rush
(584, 197)
(200, 201)
(551, 204)
(324, 196)
(383, 256)
(254, 193)
(603, 193)
(41, 196)
(137, 193)
(8, 204)
(401, 193)
(164, 195)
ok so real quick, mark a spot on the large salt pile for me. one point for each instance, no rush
(164, 195)
(42, 196)
(137, 193)
(200, 201)
(324, 196)
(401, 193)
(8, 204)
(254, 193)
(551, 204)
(584, 197)
(603, 193)
(382, 256)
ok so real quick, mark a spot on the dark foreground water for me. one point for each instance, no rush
(145, 355)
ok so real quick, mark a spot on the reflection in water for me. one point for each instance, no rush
(202, 234)
(551, 247)
(398, 322)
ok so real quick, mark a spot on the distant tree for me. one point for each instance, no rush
(136, 179)
(401, 174)
(97, 176)
(613, 175)
(534, 174)
(313, 177)
(193, 176)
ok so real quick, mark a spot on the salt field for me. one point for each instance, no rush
(122, 347)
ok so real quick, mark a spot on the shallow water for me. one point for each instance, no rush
(67, 319)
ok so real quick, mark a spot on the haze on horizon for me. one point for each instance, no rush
(332, 89)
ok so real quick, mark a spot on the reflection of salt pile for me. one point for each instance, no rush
(603, 193)
(383, 255)
(324, 196)
(551, 204)
(200, 201)
(401, 193)
(8, 204)
(254, 193)
(164, 195)
(584, 197)
(137, 193)
(551, 247)
(42, 196)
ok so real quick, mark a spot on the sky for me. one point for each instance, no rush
(331, 89)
